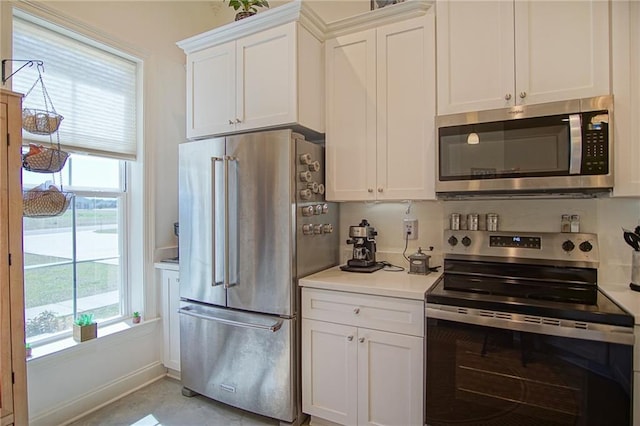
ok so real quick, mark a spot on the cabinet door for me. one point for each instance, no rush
(626, 96)
(406, 110)
(329, 371)
(171, 319)
(475, 55)
(562, 50)
(211, 91)
(390, 378)
(266, 83)
(351, 117)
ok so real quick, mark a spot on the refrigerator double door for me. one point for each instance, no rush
(237, 230)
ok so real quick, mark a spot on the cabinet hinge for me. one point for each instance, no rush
(9, 259)
(8, 139)
(13, 377)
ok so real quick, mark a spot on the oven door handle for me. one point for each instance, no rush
(532, 324)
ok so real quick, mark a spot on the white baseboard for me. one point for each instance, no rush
(73, 410)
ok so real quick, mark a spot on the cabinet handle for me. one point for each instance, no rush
(231, 122)
(238, 121)
(361, 340)
(507, 97)
(370, 190)
(356, 311)
(380, 189)
(523, 95)
(350, 338)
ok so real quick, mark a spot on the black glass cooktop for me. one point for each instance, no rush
(563, 293)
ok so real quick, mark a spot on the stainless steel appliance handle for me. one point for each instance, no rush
(532, 324)
(575, 143)
(227, 281)
(272, 328)
(214, 161)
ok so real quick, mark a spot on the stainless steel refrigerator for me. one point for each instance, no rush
(253, 219)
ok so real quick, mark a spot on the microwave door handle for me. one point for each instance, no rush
(214, 161)
(575, 144)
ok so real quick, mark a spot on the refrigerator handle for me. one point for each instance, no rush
(227, 270)
(214, 160)
(272, 328)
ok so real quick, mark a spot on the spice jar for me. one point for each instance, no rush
(472, 221)
(565, 223)
(454, 221)
(492, 221)
(575, 223)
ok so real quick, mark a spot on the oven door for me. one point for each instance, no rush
(494, 371)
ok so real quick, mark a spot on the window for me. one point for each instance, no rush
(78, 262)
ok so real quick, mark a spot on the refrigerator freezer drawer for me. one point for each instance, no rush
(238, 358)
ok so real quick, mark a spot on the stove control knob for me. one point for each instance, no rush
(307, 211)
(307, 229)
(466, 241)
(328, 228)
(568, 246)
(314, 166)
(453, 241)
(318, 229)
(325, 208)
(585, 246)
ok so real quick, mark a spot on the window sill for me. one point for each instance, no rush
(111, 332)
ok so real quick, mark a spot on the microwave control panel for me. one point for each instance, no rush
(595, 143)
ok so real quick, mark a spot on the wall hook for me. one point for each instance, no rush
(27, 63)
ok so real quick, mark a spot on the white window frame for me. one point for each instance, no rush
(136, 295)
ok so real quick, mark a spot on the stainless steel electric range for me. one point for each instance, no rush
(518, 333)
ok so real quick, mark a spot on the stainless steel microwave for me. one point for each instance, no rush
(553, 148)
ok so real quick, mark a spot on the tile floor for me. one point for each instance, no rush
(162, 404)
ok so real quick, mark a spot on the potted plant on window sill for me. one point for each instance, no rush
(27, 349)
(84, 328)
(248, 7)
(136, 317)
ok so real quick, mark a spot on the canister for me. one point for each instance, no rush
(454, 221)
(492, 221)
(472, 221)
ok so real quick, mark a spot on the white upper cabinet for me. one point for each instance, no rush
(257, 73)
(380, 79)
(504, 53)
(625, 39)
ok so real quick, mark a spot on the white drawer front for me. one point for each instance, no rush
(363, 310)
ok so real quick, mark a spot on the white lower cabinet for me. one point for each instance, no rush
(170, 298)
(355, 375)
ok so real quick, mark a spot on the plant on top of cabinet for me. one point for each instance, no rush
(249, 7)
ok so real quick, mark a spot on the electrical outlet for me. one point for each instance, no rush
(410, 226)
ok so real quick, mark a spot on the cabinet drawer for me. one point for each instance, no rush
(363, 310)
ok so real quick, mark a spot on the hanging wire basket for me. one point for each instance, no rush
(43, 122)
(45, 201)
(40, 122)
(44, 160)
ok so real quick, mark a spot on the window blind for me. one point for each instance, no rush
(93, 89)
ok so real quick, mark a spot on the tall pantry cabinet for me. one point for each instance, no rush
(13, 374)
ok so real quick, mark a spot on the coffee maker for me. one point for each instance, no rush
(363, 258)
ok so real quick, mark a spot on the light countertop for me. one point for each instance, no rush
(171, 266)
(625, 297)
(410, 286)
(381, 283)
